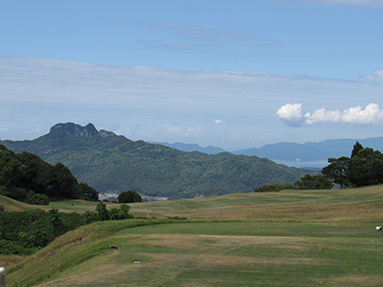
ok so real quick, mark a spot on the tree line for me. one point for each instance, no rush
(26, 232)
(26, 177)
(364, 167)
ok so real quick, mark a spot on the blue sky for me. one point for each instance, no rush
(233, 74)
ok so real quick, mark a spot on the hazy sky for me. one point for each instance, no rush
(233, 74)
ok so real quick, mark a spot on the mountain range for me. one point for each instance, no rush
(112, 163)
(288, 151)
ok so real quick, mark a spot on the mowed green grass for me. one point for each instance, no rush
(231, 202)
(285, 205)
(290, 238)
(211, 254)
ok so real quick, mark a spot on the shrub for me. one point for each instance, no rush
(37, 198)
(129, 196)
(274, 187)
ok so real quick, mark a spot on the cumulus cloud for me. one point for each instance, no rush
(322, 115)
(291, 114)
(371, 113)
(219, 122)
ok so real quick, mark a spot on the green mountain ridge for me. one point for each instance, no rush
(112, 163)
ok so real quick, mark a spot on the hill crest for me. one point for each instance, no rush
(115, 164)
(72, 129)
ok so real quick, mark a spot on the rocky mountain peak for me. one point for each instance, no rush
(72, 129)
(105, 133)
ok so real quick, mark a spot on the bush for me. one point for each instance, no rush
(314, 182)
(129, 196)
(17, 193)
(274, 187)
(26, 232)
(102, 212)
(36, 198)
(122, 213)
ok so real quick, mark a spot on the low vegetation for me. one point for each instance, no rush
(129, 196)
(23, 233)
(289, 238)
(308, 181)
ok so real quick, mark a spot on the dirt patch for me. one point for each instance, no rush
(353, 280)
(220, 240)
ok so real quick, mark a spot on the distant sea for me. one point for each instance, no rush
(316, 165)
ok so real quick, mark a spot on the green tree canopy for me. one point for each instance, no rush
(25, 172)
(337, 170)
(273, 187)
(88, 191)
(314, 182)
(101, 212)
(366, 168)
(356, 148)
(129, 196)
(11, 168)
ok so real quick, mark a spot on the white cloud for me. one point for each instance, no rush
(376, 76)
(219, 122)
(174, 130)
(372, 3)
(321, 115)
(291, 114)
(370, 114)
(169, 105)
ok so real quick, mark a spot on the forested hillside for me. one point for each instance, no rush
(26, 177)
(108, 162)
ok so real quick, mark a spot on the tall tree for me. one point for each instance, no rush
(366, 168)
(337, 170)
(357, 147)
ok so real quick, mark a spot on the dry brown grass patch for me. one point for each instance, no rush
(353, 280)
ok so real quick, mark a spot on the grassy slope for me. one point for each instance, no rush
(291, 238)
(359, 204)
(79, 206)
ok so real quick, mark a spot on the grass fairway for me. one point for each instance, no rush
(290, 238)
(211, 254)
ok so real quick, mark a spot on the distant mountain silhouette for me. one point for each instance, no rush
(311, 151)
(192, 147)
(108, 162)
(289, 151)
